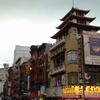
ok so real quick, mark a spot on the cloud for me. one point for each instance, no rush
(31, 8)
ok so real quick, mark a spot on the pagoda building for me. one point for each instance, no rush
(75, 18)
(68, 63)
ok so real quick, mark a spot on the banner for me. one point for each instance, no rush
(91, 43)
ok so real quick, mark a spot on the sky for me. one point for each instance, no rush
(33, 22)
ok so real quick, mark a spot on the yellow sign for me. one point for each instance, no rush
(92, 91)
(75, 91)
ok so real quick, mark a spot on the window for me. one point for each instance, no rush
(58, 80)
(95, 79)
(73, 78)
(59, 60)
(1, 80)
(72, 57)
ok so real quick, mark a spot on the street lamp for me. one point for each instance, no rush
(28, 70)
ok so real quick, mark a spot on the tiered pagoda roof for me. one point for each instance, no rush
(72, 16)
(68, 22)
(74, 10)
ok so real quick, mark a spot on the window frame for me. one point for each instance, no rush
(72, 57)
(73, 78)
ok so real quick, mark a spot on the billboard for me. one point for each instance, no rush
(91, 42)
(94, 46)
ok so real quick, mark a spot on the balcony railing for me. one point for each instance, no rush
(58, 43)
(59, 69)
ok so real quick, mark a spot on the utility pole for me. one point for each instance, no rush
(82, 62)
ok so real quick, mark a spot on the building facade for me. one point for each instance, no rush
(68, 65)
(33, 72)
(34, 87)
(2, 78)
(11, 87)
(21, 52)
(39, 74)
(43, 67)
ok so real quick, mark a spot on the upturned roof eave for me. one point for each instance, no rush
(79, 25)
(77, 17)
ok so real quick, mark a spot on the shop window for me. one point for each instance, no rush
(72, 57)
(73, 78)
